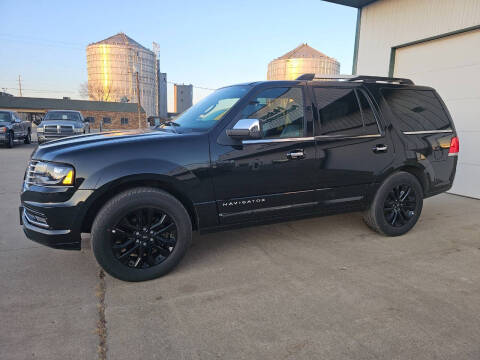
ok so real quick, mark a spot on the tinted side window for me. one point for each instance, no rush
(339, 112)
(280, 110)
(370, 123)
(416, 110)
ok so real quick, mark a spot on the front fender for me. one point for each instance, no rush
(143, 169)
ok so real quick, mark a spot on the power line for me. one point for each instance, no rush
(40, 90)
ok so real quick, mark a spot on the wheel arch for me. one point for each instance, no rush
(420, 173)
(109, 190)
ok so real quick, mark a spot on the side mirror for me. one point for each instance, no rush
(246, 129)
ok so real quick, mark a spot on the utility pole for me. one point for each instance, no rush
(20, 85)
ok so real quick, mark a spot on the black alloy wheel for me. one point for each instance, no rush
(396, 206)
(400, 205)
(141, 234)
(143, 238)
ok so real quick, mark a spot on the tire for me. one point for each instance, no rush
(107, 234)
(28, 137)
(380, 216)
(10, 141)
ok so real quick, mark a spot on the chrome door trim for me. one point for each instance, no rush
(336, 137)
(279, 140)
(273, 208)
(427, 132)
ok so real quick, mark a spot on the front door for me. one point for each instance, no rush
(272, 176)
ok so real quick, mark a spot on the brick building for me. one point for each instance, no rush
(112, 115)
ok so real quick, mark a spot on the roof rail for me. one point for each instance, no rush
(363, 78)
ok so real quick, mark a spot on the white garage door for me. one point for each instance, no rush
(451, 65)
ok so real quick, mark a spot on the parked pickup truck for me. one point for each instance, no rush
(61, 123)
(12, 129)
(247, 154)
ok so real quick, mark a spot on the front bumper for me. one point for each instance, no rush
(53, 216)
(43, 136)
(3, 137)
(57, 239)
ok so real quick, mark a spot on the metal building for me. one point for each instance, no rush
(434, 43)
(183, 97)
(112, 65)
(301, 60)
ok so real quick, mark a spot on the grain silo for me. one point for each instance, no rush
(302, 60)
(112, 65)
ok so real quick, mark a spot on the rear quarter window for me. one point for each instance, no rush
(416, 110)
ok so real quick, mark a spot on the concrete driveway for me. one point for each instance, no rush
(325, 288)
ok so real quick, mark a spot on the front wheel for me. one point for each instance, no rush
(28, 138)
(397, 205)
(141, 234)
(9, 142)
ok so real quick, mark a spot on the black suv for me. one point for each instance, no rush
(247, 154)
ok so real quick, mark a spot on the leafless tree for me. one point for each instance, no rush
(98, 92)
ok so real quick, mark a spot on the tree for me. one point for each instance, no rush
(97, 92)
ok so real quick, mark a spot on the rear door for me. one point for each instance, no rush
(353, 149)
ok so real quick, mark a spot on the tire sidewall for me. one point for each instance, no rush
(28, 138)
(10, 141)
(401, 178)
(123, 204)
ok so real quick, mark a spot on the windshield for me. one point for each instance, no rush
(209, 111)
(5, 116)
(62, 115)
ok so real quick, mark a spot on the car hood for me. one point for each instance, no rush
(4, 123)
(98, 140)
(61, 122)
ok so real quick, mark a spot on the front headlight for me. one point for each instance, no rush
(50, 174)
(3, 129)
(78, 130)
(40, 129)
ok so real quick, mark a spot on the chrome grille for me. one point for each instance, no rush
(59, 130)
(50, 129)
(30, 176)
(66, 130)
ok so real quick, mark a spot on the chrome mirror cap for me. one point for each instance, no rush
(246, 129)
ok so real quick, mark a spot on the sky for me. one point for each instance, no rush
(205, 43)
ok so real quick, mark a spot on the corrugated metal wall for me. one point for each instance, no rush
(389, 23)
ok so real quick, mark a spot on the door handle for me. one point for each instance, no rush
(296, 154)
(380, 148)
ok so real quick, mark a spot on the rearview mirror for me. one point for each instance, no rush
(246, 129)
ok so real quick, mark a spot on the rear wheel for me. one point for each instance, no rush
(141, 234)
(397, 205)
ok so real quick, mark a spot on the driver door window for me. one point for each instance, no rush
(280, 110)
